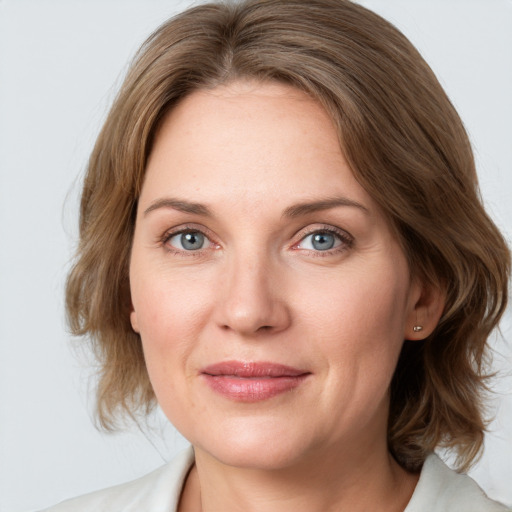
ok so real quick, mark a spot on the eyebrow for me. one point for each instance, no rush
(296, 210)
(180, 205)
(300, 209)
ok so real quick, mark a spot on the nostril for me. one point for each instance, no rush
(263, 328)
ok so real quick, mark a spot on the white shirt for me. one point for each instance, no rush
(439, 489)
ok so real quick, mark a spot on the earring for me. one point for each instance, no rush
(417, 327)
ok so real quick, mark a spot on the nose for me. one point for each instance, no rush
(253, 300)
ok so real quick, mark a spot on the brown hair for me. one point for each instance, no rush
(405, 144)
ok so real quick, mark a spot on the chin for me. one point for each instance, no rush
(262, 445)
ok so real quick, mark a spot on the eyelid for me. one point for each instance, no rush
(179, 237)
(347, 240)
(188, 228)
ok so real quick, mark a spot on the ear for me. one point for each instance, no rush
(134, 321)
(426, 308)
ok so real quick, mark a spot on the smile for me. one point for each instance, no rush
(252, 382)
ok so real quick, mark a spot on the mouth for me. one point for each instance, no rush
(242, 381)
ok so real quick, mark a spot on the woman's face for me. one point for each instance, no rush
(269, 292)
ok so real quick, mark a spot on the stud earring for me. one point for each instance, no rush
(417, 328)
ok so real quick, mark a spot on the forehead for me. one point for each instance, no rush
(249, 140)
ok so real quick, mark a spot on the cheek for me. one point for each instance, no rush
(358, 328)
(360, 300)
(358, 317)
(171, 312)
(168, 303)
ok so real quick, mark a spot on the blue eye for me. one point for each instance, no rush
(320, 241)
(323, 241)
(189, 241)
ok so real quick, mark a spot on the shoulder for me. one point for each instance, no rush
(440, 489)
(158, 491)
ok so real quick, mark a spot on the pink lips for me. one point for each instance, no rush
(252, 382)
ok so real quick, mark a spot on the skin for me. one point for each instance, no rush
(260, 290)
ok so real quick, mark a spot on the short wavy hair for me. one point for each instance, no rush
(405, 144)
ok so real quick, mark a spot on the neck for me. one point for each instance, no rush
(329, 480)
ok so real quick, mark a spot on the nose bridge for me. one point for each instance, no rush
(251, 300)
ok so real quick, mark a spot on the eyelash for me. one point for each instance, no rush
(164, 241)
(347, 241)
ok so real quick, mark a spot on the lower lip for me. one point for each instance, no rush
(241, 389)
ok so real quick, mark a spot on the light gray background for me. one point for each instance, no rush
(60, 65)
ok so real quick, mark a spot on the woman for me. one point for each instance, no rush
(282, 244)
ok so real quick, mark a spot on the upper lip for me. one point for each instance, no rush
(252, 369)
